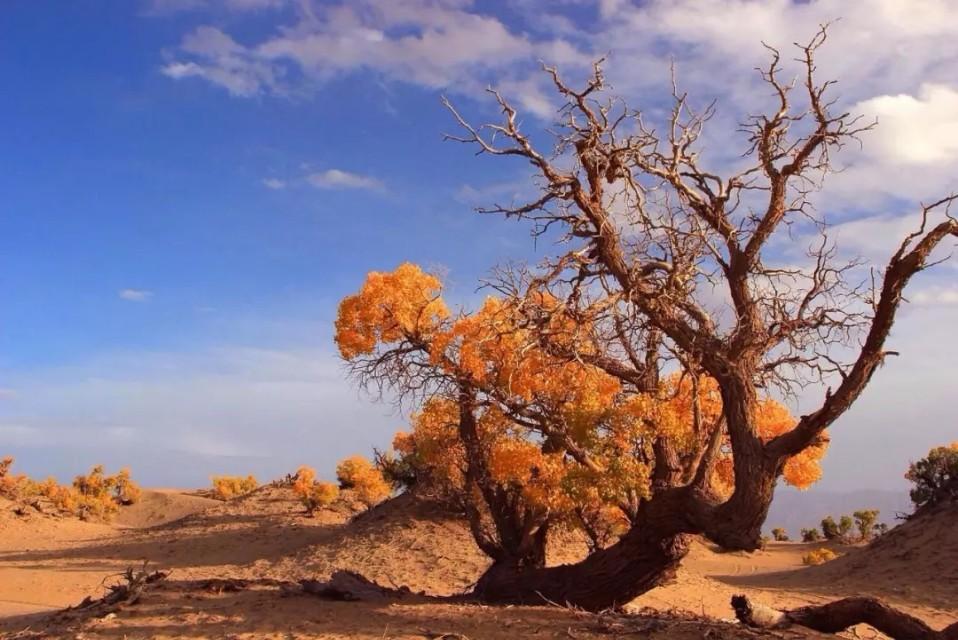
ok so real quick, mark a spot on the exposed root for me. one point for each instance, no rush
(839, 615)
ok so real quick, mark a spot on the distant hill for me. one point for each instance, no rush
(795, 510)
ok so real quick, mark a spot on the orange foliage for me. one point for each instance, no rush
(92, 496)
(229, 487)
(819, 556)
(313, 494)
(389, 305)
(494, 351)
(365, 480)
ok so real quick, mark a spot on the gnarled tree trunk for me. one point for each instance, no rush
(645, 557)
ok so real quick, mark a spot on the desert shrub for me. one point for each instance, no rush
(779, 534)
(865, 520)
(15, 488)
(313, 494)
(880, 529)
(935, 477)
(837, 530)
(363, 478)
(811, 535)
(819, 556)
(95, 496)
(829, 528)
(845, 526)
(125, 491)
(98, 495)
(229, 487)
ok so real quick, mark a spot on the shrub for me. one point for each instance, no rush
(779, 534)
(98, 495)
(95, 496)
(12, 487)
(314, 495)
(837, 530)
(880, 529)
(865, 520)
(819, 556)
(811, 535)
(829, 528)
(229, 487)
(845, 526)
(935, 477)
(365, 480)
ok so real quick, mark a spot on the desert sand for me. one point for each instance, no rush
(47, 564)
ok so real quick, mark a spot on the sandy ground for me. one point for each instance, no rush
(47, 564)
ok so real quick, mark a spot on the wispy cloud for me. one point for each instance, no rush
(274, 183)
(935, 296)
(224, 62)
(135, 295)
(430, 43)
(339, 179)
(167, 7)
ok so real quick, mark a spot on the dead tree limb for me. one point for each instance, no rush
(839, 615)
(350, 586)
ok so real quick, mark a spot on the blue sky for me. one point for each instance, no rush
(188, 187)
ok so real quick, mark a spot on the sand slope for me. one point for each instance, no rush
(47, 563)
(161, 506)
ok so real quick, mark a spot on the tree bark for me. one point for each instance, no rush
(841, 614)
(645, 557)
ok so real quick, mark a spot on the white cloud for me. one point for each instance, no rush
(431, 43)
(274, 183)
(135, 295)
(915, 130)
(338, 179)
(226, 63)
(935, 296)
(230, 406)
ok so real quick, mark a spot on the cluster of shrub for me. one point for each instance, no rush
(94, 496)
(934, 480)
(861, 526)
(357, 477)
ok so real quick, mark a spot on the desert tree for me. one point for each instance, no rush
(935, 477)
(523, 441)
(650, 235)
(865, 520)
(648, 238)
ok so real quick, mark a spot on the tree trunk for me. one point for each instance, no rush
(645, 557)
(737, 524)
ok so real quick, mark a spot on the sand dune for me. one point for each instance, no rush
(48, 563)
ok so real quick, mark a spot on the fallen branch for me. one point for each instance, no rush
(839, 615)
(127, 592)
(350, 586)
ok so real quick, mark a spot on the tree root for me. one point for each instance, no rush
(839, 615)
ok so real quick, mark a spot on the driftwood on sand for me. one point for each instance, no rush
(839, 615)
